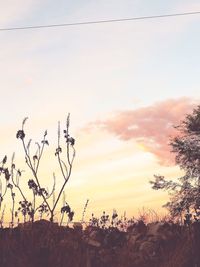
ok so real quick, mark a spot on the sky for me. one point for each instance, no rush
(124, 84)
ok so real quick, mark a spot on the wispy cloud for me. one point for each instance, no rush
(150, 126)
(12, 11)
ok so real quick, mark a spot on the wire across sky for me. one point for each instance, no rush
(81, 23)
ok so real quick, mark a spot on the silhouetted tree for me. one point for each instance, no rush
(184, 191)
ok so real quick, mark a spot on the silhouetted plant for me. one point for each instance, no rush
(114, 218)
(2, 217)
(8, 181)
(104, 220)
(84, 210)
(10, 186)
(66, 210)
(26, 209)
(147, 215)
(94, 221)
(33, 162)
(6, 174)
(42, 209)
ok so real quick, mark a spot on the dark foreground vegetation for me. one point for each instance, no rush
(43, 243)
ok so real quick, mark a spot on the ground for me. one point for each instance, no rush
(45, 244)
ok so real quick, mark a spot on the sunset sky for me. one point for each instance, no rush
(124, 84)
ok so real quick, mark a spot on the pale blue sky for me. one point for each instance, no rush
(99, 68)
(94, 70)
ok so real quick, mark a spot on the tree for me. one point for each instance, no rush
(185, 191)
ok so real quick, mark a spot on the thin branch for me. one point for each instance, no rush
(53, 188)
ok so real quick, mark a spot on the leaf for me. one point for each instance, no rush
(7, 174)
(45, 142)
(13, 166)
(4, 159)
(19, 172)
(29, 143)
(35, 157)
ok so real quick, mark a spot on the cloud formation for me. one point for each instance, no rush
(150, 126)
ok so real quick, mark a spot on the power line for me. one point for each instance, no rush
(98, 21)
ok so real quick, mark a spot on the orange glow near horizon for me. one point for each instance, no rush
(111, 173)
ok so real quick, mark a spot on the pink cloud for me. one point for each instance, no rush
(151, 126)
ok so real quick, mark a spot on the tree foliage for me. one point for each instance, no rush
(184, 191)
